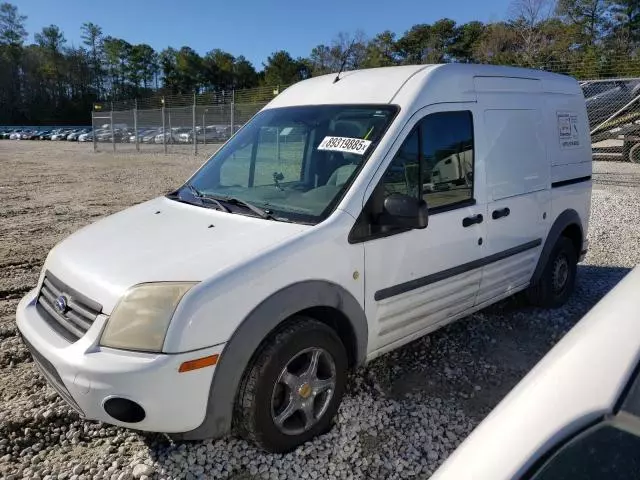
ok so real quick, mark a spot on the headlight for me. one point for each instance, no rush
(141, 318)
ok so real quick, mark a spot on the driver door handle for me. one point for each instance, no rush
(503, 212)
(468, 221)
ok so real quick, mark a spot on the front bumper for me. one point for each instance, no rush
(86, 375)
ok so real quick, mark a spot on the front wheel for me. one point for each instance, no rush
(293, 387)
(558, 278)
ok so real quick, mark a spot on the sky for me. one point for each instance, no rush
(253, 28)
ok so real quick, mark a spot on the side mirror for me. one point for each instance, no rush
(407, 211)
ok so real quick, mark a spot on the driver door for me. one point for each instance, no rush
(419, 279)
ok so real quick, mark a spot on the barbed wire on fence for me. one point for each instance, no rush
(158, 99)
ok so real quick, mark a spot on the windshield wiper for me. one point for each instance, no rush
(243, 203)
(204, 197)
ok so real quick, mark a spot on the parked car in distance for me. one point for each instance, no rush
(26, 134)
(307, 246)
(7, 133)
(61, 135)
(141, 133)
(150, 135)
(182, 135)
(576, 414)
(88, 136)
(208, 135)
(162, 137)
(73, 136)
(48, 135)
(37, 135)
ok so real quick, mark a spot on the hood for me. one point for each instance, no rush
(159, 240)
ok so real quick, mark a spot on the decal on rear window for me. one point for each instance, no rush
(345, 144)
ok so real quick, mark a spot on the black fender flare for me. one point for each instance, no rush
(565, 219)
(245, 340)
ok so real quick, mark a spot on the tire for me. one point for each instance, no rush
(265, 391)
(558, 278)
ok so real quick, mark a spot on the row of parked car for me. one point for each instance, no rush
(159, 135)
(124, 134)
(72, 135)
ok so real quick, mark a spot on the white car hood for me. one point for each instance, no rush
(159, 240)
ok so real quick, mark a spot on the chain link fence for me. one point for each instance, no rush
(197, 122)
(175, 122)
(168, 129)
(613, 107)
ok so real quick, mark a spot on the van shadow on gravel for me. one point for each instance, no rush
(475, 362)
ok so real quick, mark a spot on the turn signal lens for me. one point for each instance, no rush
(198, 363)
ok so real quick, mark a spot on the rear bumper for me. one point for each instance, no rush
(87, 375)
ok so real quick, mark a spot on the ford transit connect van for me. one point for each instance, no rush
(353, 214)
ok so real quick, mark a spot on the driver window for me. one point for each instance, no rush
(401, 177)
(434, 162)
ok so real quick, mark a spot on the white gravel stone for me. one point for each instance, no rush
(142, 470)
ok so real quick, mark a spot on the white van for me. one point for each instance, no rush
(313, 241)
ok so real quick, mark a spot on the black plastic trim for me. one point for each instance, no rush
(571, 181)
(565, 219)
(452, 206)
(452, 272)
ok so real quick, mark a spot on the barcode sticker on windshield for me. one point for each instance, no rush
(345, 144)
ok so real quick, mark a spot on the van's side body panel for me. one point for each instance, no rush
(513, 149)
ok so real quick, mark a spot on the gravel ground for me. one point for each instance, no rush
(402, 415)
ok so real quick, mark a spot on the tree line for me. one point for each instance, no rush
(50, 82)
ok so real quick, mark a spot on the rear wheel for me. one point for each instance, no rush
(558, 278)
(293, 387)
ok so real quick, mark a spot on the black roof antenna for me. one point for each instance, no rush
(344, 60)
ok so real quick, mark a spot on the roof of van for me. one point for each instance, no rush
(382, 85)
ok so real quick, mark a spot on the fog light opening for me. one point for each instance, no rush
(124, 410)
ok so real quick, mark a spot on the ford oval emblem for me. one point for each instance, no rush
(61, 304)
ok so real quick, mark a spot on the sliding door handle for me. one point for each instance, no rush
(503, 212)
(468, 221)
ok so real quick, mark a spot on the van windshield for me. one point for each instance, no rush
(295, 162)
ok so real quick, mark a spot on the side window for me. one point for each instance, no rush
(601, 453)
(447, 158)
(435, 163)
(402, 174)
(401, 177)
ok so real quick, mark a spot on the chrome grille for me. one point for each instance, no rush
(78, 314)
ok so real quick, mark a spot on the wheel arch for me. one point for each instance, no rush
(567, 224)
(325, 301)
